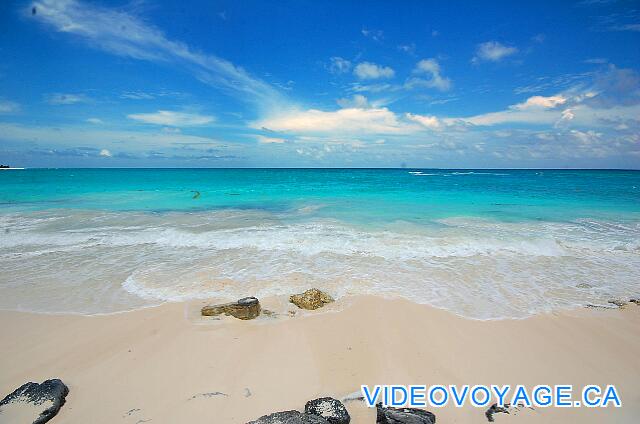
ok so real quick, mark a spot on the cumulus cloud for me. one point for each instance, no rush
(432, 69)
(347, 120)
(368, 70)
(339, 65)
(172, 118)
(105, 153)
(493, 51)
(431, 122)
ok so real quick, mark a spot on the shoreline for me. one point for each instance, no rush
(281, 303)
(166, 363)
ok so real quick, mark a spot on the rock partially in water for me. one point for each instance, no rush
(289, 417)
(584, 286)
(619, 303)
(403, 416)
(311, 299)
(35, 403)
(636, 301)
(328, 408)
(245, 308)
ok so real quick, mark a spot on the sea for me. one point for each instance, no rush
(483, 244)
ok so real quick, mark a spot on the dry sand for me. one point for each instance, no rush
(168, 365)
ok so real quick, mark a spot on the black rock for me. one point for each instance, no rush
(289, 417)
(403, 416)
(35, 394)
(328, 408)
(493, 409)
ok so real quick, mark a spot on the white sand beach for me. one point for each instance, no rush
(169, 365)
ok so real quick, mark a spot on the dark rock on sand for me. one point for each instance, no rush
(328, 408)
(311, 299)
(506, 409)
(245, 308)
(45, 399)
(403, 416)
(494, 409)
(289, 417)
(636, 301)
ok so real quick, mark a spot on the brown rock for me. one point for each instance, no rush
(245, 308)
(311, 299)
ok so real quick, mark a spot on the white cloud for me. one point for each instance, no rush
(368, 70)
(540, 102)
(7, 106)
(431, 68)
(270, 140)
(123, 34)
(105, 153)
(357, 101)
(339, 65)
(493, 51)
(171, 118)
(74, 136)
(431, 122)
(349, 120)
(96, 121)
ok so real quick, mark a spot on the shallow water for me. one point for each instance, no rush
(483, 244)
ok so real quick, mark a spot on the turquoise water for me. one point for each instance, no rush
(482, 243)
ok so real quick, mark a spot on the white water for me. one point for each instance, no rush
(100, 262)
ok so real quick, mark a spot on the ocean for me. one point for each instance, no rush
(484, 244)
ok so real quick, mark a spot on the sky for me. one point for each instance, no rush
(421, 84)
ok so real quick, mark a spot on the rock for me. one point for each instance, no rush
(506, 409)
(493, 409)
(403, 416)
(245, 308)
(619, 303)
(584, 286)
(311, 299)
(328, 408)
(42, 401)
(289, 417)
(636, 301)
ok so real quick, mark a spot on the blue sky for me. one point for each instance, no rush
(317, 84)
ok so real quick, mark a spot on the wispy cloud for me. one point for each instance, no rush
(492, 51)
(172, 118)
(270, 140)
(95, 121)
(357, 101)
(369, 71)
(338, 65)
(124, 34)
(7, 106)
(66, 98)
(68, 136)
(374, 34)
